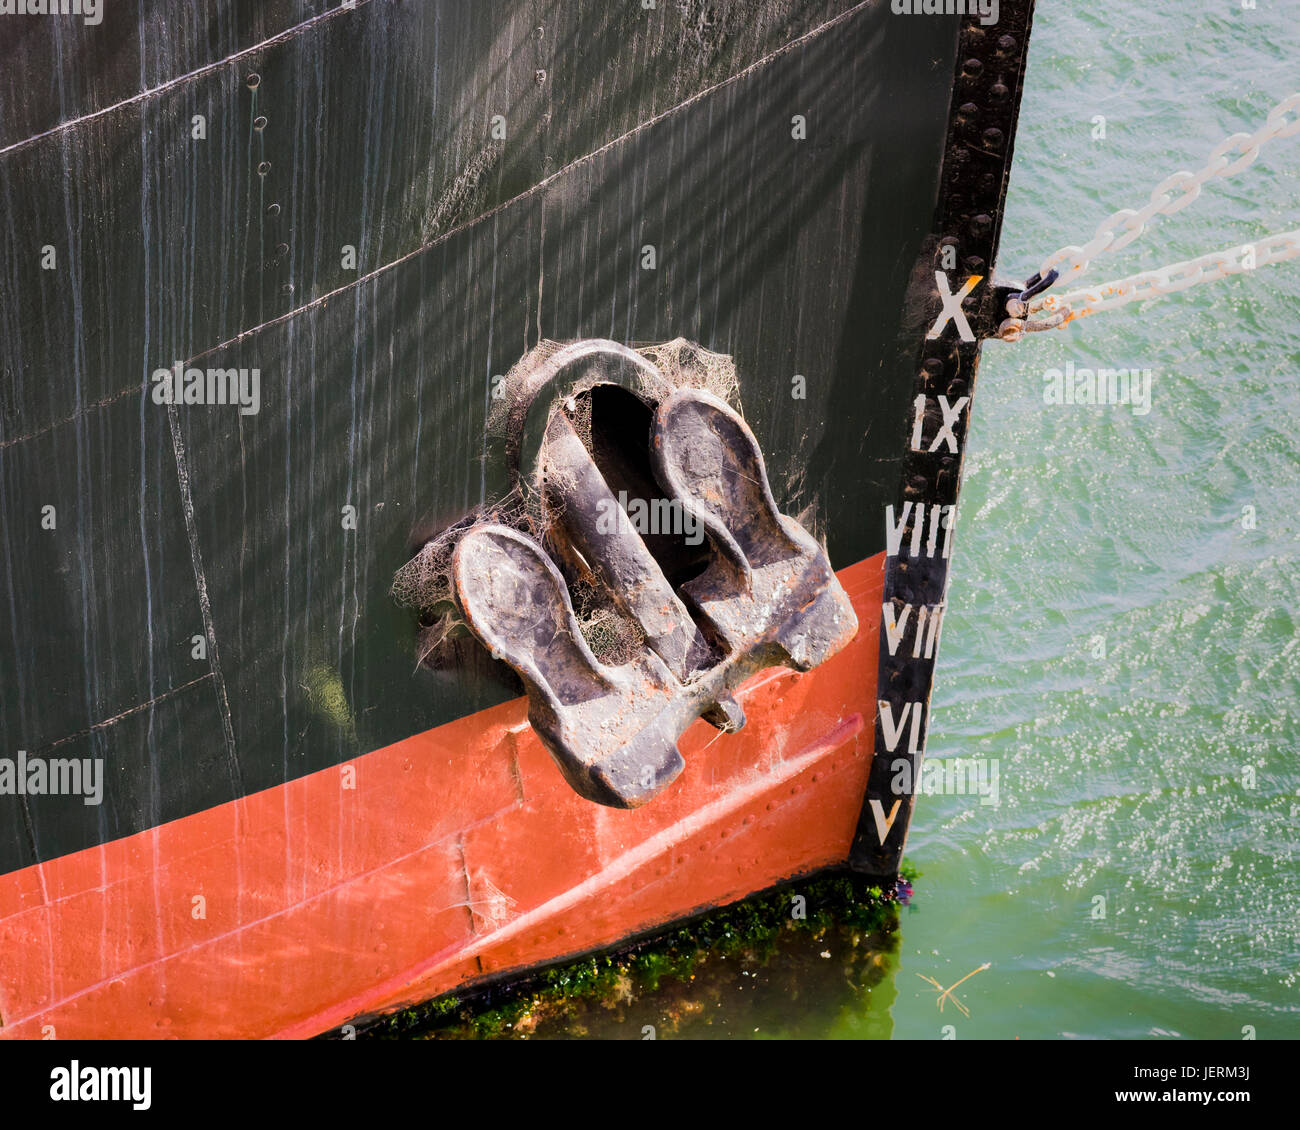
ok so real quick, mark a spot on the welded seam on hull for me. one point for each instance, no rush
(171, 692)
(470, 223)
(532, 190)
(102, 402)
(180, 80)
(205, 606)
(545, 181)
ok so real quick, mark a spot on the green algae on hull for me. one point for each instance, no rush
(836, 935)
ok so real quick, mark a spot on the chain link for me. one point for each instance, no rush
(1120, 229)
(1061, 309)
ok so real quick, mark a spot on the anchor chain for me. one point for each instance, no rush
(1122, 228)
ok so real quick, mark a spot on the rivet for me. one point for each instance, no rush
(263, 168)
(998, 92)
(253, 80)
(259, 122)
(1007, 44)
(993, 138)
(972, 67)
(273, 209)
(981, 224)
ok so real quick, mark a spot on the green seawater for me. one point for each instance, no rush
(1119, 640)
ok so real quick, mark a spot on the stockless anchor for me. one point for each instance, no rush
(755, 591)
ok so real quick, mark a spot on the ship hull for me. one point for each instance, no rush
(459, 856)
(305, 820)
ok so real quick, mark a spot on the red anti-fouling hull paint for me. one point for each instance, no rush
(449, 857)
